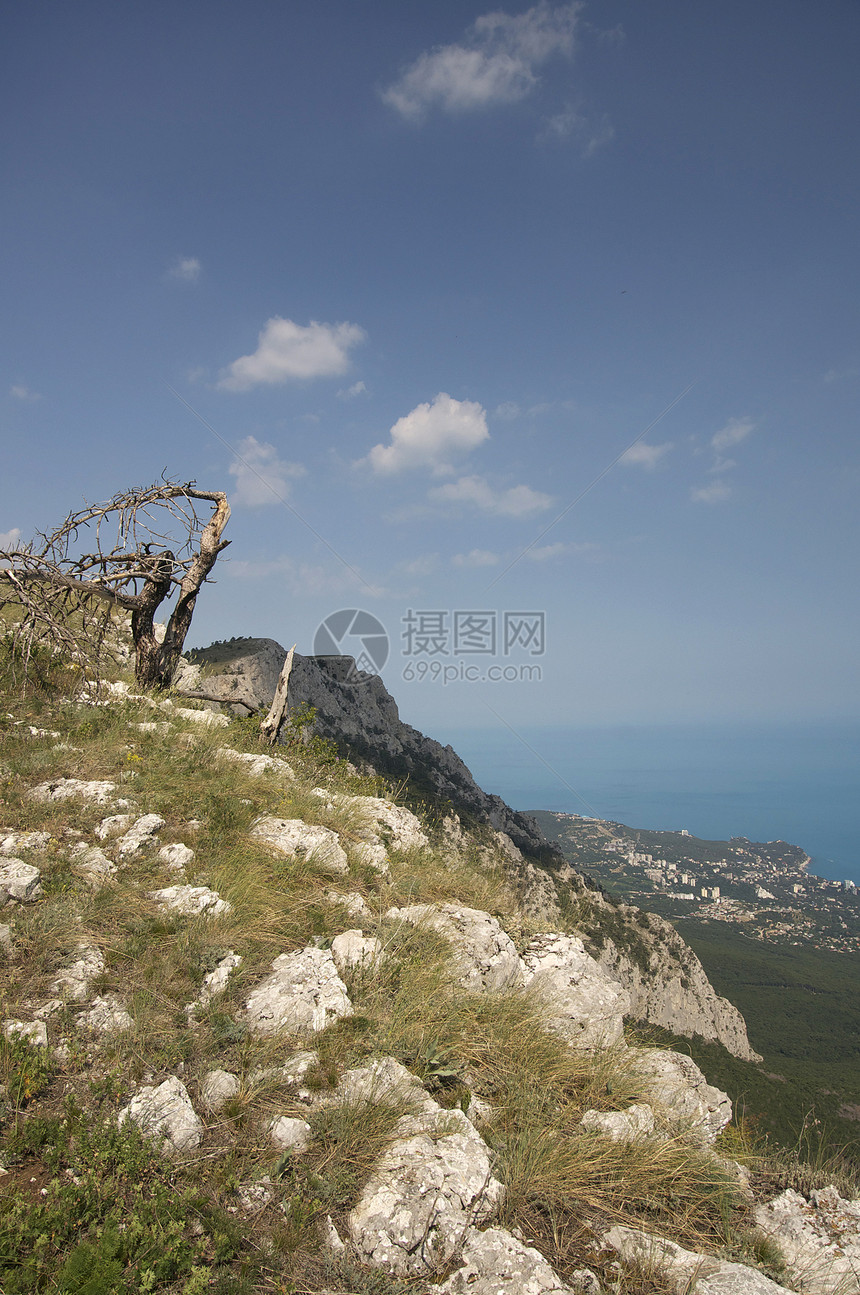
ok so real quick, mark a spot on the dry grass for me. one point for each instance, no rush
(562, 1184)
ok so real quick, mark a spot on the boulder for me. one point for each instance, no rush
(352, 949)
(165, 1114)
(206, 718)
(113, 825)
(354, 903)
(99, 793)
(819, 1239)
(386, 1082)
(485, 957)
(139, 835)
(34, 1032)
(176, 856)
(92, 865)
(19, 880)
(256, 764)
(107, 1016)
(681, 1093)
(303, 994)
(621, 1126)
(191, 901)
(426, 1191)
(12, 842)
(683, 1271)
(6, 944)
(299, 840)
(290, 1134)
(583, 1004)
(216, 1089)
(73, 982)
(494, 1262)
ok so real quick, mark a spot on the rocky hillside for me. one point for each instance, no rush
(266, 1028)
(665, 982)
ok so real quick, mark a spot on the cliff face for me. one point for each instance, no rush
(358, 713)
(667, 986)
(664, 980)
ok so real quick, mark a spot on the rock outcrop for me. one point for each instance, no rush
(357, 712)
(667, 985)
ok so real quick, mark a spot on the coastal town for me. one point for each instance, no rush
(765, 888)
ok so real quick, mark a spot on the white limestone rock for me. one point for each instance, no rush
(683, 1271)
(73, 982)
(108, 1016)
(681, 1093)
(206, 718)
(191, 901)
(216, 1089)
(386, 1082)
(6, 944)
(428, 1188)
(176, 856)
(299, 840)
(257, 765)
(373, 854)
(215, 982)
(289, 1133)
(354, 949)
(819, 1239)
(354, 903)
(494, 1262)
(12, 842)
(99, 793)
(637, 1121)
(140, 835)
(291, 1072)
(583, 1003)
(303, 994)
(165, 1114)
(485, 956)
(19, 880)
(33, 1031)
(113, 825)
(91, 864)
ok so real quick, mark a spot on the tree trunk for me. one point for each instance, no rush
(159, 667)
(271, 725)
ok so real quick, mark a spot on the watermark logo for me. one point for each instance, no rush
(354, 633)
(441, 646)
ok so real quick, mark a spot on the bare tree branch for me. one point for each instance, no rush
(144, 545)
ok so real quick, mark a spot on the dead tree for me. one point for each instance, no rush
(148, 545)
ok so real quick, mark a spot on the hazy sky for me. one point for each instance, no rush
(428, 270)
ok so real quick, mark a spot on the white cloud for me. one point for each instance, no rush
(421, 566)
(261, 477)
(186, 268)
(305, 578)
(20, 392)
(287, 350)
(430, 434)
(496, 63)
(545, 552)
(735, 431)
(517, 501)
(715, 493)
(643, 455)
(357, 389)
(10, 539)
(507, 410)
(476, 558)
(588, 133)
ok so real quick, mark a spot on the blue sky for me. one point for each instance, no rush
(408, 280)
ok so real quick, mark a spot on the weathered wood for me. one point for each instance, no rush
(271, 725)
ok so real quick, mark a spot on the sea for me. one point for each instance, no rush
(798, 783)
